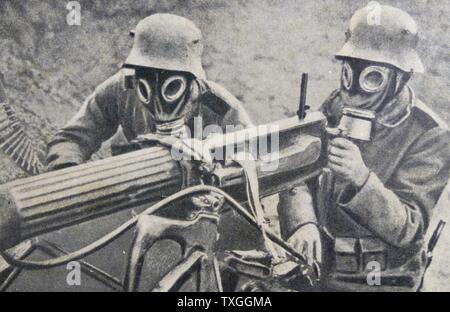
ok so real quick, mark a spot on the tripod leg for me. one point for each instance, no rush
(200, 233)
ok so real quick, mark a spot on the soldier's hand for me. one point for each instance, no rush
(345, 161)
(306, 241)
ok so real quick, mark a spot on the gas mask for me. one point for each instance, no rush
(167, 95)
(368, 92)
(370, 85)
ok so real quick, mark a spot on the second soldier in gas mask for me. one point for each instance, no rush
(160, 89)
(372, 208)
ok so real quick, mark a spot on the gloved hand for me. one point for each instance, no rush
(306, 240)
(345, 161)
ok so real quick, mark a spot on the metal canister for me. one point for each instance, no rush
(356, 123)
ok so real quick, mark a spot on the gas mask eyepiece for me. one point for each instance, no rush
(371, 79)
(144, 91)
(161, 88)
(347, 76)
(173, 88)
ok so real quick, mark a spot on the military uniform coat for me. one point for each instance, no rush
(386, 220)
(112, 105)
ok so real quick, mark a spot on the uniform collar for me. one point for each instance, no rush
(398, 110)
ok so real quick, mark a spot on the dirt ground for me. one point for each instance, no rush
(256, 48)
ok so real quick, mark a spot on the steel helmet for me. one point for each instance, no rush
(169, 42)
(383, 34)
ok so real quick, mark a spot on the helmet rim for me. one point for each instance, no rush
(408, 61)
(167, 42)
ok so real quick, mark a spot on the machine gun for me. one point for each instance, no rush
(150, 179)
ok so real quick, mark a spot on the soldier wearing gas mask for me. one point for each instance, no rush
(374, 204)
(161, 88)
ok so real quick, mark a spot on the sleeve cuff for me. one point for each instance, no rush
(63, 155)
(352, 197)
(295, 209)
(379, 209)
